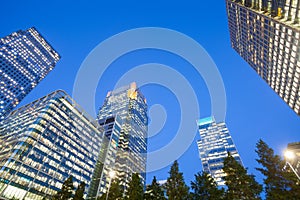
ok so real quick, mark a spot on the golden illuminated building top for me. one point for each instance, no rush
(129, 104)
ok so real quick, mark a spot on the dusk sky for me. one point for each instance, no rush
(75, 28)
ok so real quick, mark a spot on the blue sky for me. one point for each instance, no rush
(74, 28)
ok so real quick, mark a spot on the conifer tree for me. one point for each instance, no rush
(239, 184)
(79, 192)
(115, 192)
(154, 191)
(279, 184)
(205, 188)
(66, 190)
(136, 189)
(176, 188)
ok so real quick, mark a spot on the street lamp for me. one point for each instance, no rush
(290, 155)
(111, 176)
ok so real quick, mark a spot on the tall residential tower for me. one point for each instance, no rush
(214, 145)
(25, 59)
(266, 34)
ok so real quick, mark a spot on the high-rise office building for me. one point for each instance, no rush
(101, 177)
(214, 145)
(43, 143)
(266, 34)
(294, 148)
(130, 107)
(25, 59)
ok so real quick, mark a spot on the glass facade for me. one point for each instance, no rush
(43, 143)
(266, 34)
(295, 162)
(131, 108)
(112, 128)
(25, 59)
(214, 145)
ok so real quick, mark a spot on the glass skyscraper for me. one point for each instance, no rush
(25, 59)
(125, 107)
(266, 34)
(43, 143)
(214, 145)
(112, 128)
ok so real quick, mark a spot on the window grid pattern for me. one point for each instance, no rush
(25, 59)
(214, 145)
(295, 162)
(130, 105)
(270, 45)
(43, 143)
(100, 181)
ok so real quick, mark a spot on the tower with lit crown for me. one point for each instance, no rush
(126, 108)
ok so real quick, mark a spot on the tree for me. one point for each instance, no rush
(115, 191)
(154, 191)
(205, 187)
(239, 184)
(66, 190)
(175, 185)
(279, 184)
(79, 192)
(136, 189)
(102, 197)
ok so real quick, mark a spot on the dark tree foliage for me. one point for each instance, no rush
(79, 192)
(154, 191)
(136, 189)
(239, 184)
(175, 186)
(102, 197)
(115, 192)
(205, 187)
(279, 184)
(66, 191)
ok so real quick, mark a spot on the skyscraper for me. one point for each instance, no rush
(294, 148)
(129, 107)
(25, 59)
(101, 179)
(266, 34)
(43, 143)
(214, 145)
